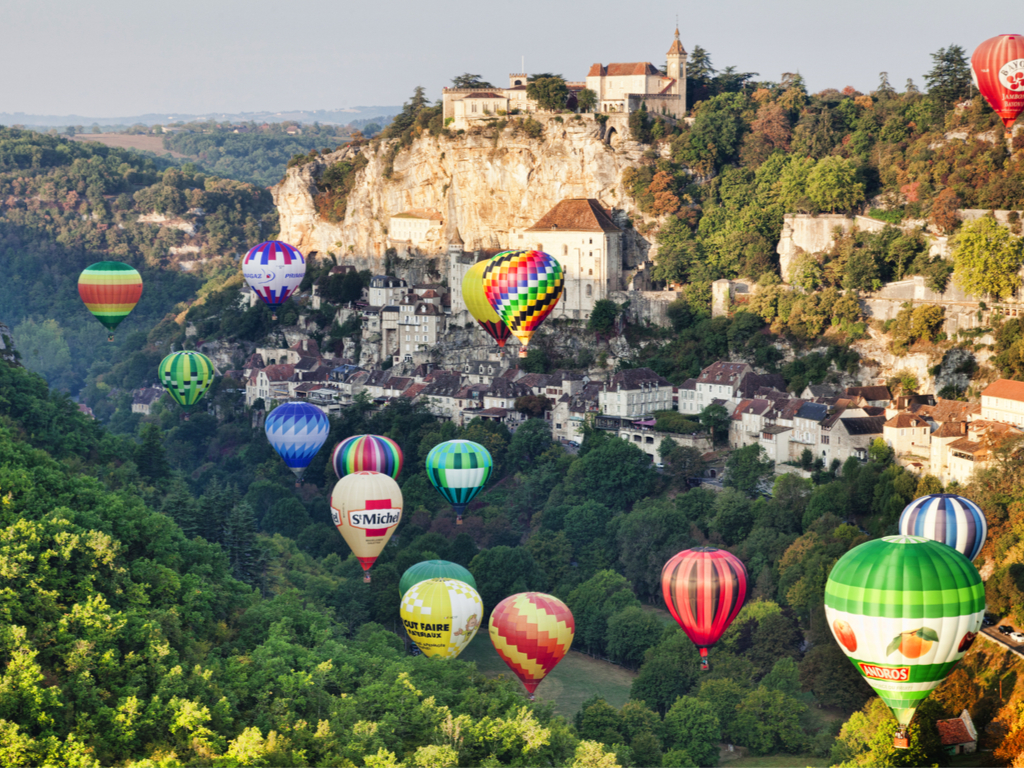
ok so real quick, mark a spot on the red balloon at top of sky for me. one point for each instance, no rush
(997, 67)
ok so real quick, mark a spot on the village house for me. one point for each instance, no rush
(1003, 400)
(635, 393)
(958, 735)
(143, 399)
(385, 289)
(414, 228)
(718, 381)
(908, 433)
(269, 384)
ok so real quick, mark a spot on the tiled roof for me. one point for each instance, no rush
(967, 446)
(878, 392)
(753, 382)
(904, 419)
(722, 373)
(398, 383)
(533, 380)
(279, 372)
(306, 347)
(953, 732)
(414, 390)
(689, 384)
(576, 215)
(789, 409)
(421, 213)
(865, 425)
(1006, 389)
(951, 429)
(147, 396)
(623, 70)
(634, 378)
(740, 409)
(813, 411)
(484, 95)
(499, 412)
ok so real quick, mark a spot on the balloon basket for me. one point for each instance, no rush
(273, 317)
(366, 578)
(901, 742)
(522, 351)
(458, 520)
(704, 666)
(110, 337)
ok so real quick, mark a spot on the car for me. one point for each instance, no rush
(989, 620)
(1005, 629)
(1017, 637)
(659, 465)
(574, 444)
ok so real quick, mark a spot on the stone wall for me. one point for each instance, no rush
(7, 351)
(646, 306)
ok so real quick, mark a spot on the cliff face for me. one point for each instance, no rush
(485, 183)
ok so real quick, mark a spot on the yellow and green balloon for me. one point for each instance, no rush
(186, 376)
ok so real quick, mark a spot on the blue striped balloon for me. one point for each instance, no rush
(949, 519)
(297, 431)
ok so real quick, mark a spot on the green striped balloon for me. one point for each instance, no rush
(433, 569)
(459, 469)
(904, 609)
(186, 376)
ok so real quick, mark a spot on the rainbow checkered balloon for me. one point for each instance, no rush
(523, 287)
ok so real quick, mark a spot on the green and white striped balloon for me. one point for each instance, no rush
(186, 376)
(459, 469)
(904, 609)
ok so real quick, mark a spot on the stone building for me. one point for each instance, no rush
(636, 392)
(587, 243)
(1003, 400)
(624, 87)
(414, 228)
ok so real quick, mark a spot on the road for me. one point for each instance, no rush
(993, 636)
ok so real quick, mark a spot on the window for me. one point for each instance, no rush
(565, 250)
(590, 272)
(590, 291)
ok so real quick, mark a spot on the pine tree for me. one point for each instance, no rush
(181, 506)
(239, 541)
(150, 456)
(950, 78)
(214, 508)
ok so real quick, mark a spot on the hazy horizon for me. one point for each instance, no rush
(113, 58)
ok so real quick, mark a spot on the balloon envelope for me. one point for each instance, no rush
(110, 290)
(274, 270)
(459, 469)
(186, 376)
(523, 287)
(297, 431)
(532, 632)
(366, 507)
(367, 453)
(904, 610)
(947, 518)
(704, 589)
(997, 67)
(441, 616)
(434, 569)
(479, 307)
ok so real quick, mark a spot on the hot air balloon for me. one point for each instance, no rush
(523, 287)
(367, 453)
(297, 431)
(904, 609)
(110, 291)
(997, 68)
(441, 616)
(434, 569)
(274, 270)
(186, 376)
(366, 508)
(704, 589)
(459, 470)
(479, 307)
(532, 632)
(947, 518)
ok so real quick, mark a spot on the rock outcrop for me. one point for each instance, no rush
(487, 182)
(7, 351)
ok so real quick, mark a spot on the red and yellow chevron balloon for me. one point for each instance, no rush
(523, 287)
(110, 290)
(532, 632)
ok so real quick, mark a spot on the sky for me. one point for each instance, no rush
(110, 58)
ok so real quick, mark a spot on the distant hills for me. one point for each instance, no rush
(342, 116)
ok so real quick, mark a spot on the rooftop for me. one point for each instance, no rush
(623, 70)
(1007, 389)
(953, 732)
(576, 215)
(864, 425)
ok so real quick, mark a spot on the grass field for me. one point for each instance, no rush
(573, 681)
(776, 761)
(142, 142)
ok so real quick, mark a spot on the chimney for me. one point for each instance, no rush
(963, 427)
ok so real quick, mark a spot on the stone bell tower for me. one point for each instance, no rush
(676, 66)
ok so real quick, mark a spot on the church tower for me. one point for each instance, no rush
(676, 66)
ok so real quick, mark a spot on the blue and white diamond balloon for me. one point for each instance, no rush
(297, 431)
(949, 519)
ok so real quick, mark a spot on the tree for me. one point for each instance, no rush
(631, 632)
(684, 462)
(534, 406)
(691, 724)
(599, 721)
(150, 456)
(880, 451)
(603, 316)
(593, 603)
(832, 185)
(467, 80)
(733, 516)
(679, 253)
(950, 77)
(827, 673)
(640, 125)
(550, 92)
(715, 419)
(668, 672)
(768, 721)
(650, 535)
(531, 439)
(586, 100)
(748, 469)
(502, 571)
(724, 695)
(616, 474)
(945, 215)
(987, 258)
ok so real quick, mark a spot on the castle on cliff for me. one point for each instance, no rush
(619, 87)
